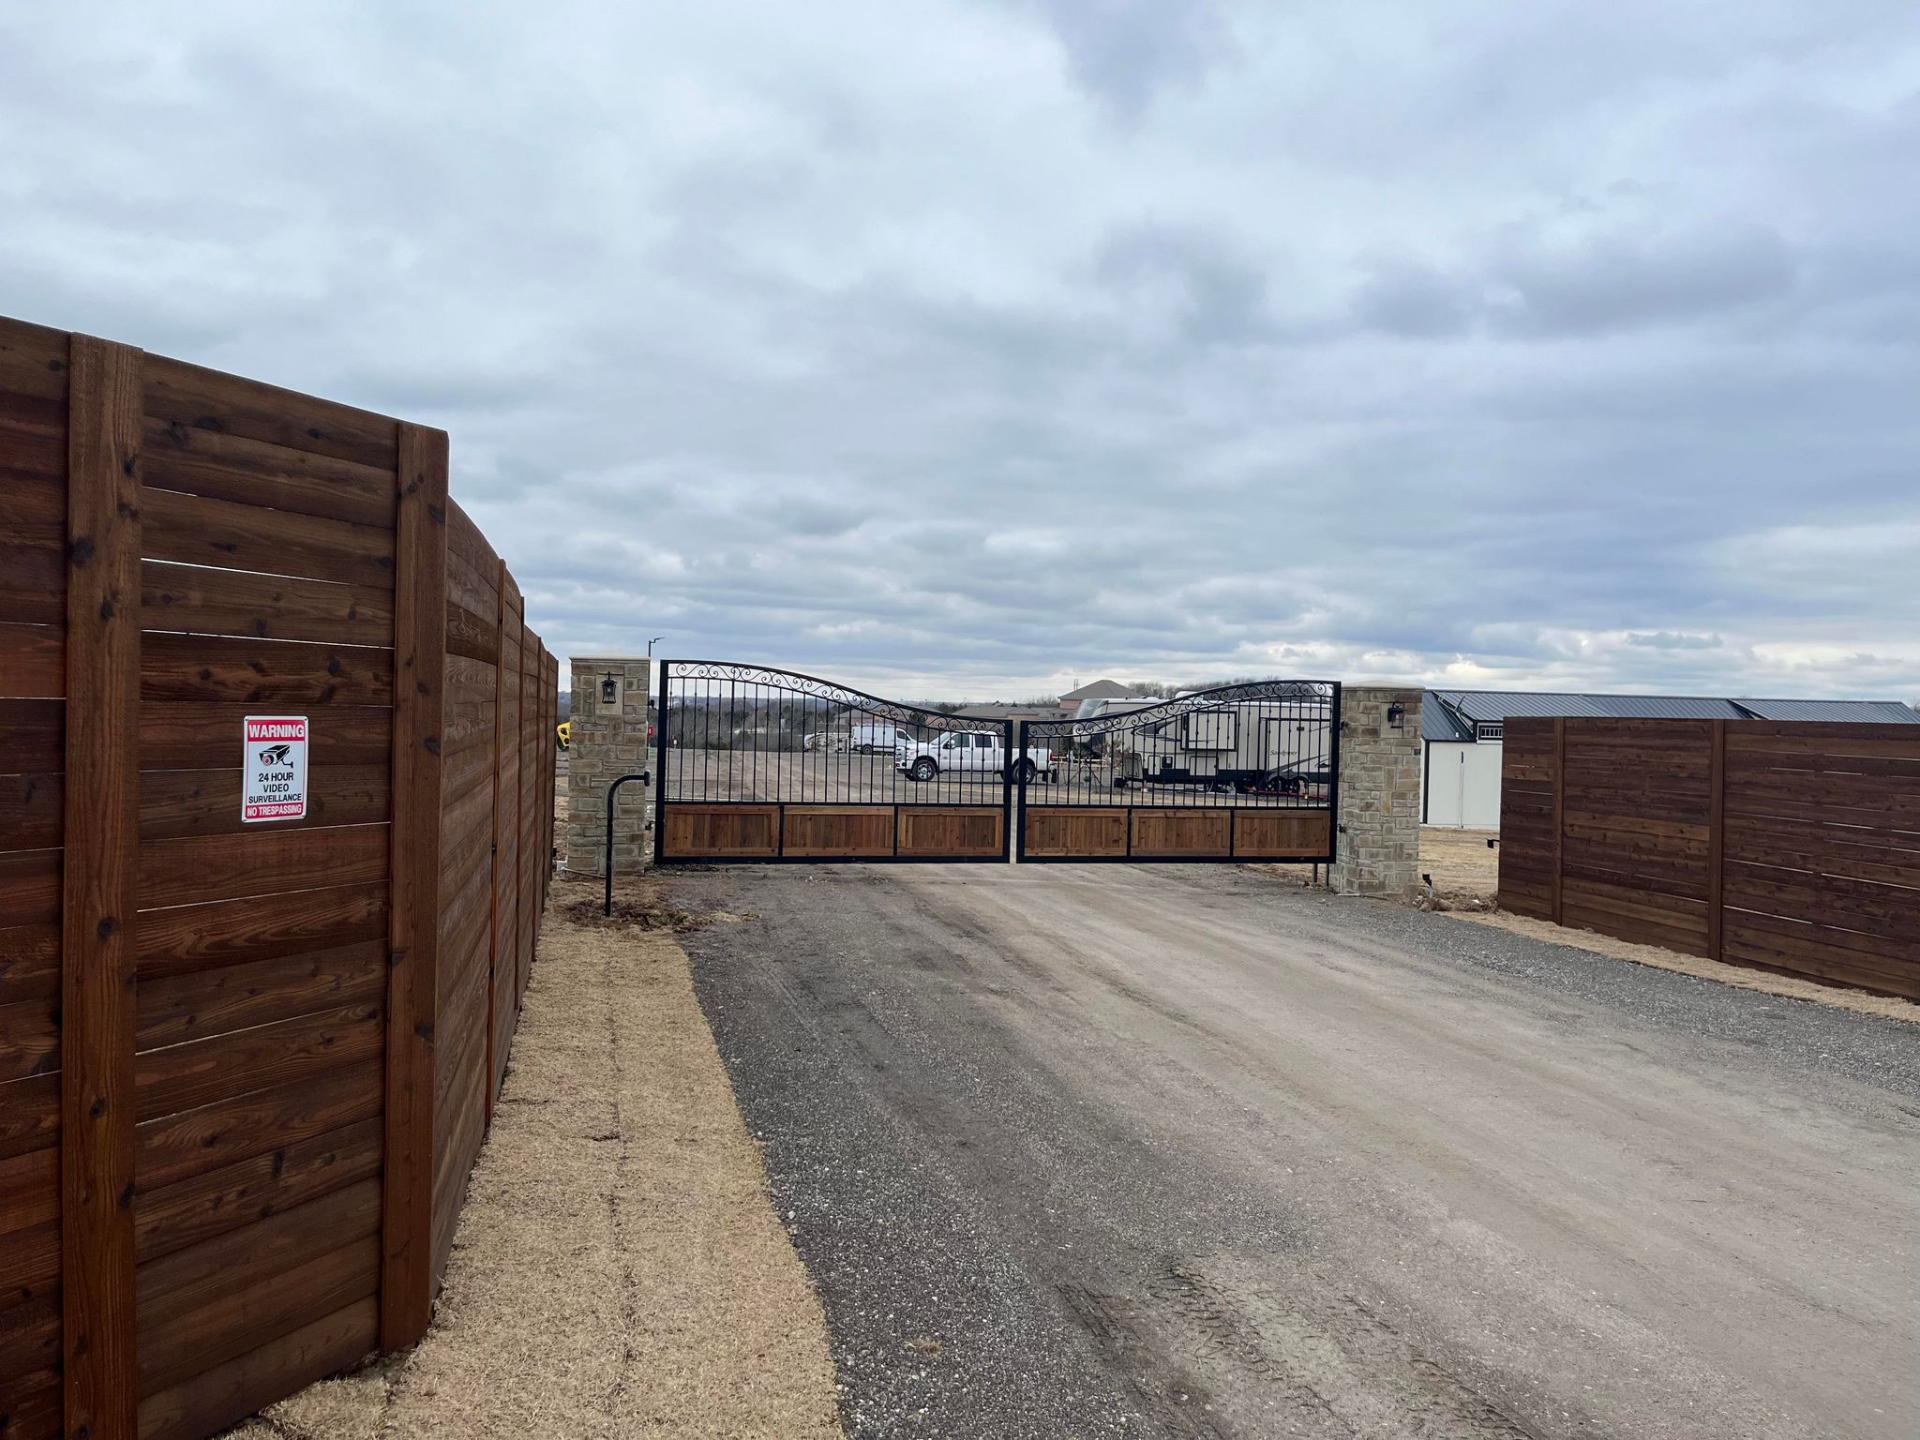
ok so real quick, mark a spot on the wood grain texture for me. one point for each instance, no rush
(406, 1273)
(851, 831)
(194, 868)
(174, 1009)
(1183, 832)
(98, 893)
(1282, 834)
(955, 830)
(194, 1142)
(32, 739)
(248, 1191)
(216, 1398)
(208, 462)
(207, 735)
(280, 673)
(1069, 830)
(227, 932)
(230, 534)
(202, 399)
(723, 830)
(265, 607)
(184, 1077)
(33, 661)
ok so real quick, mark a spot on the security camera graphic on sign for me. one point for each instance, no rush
(275, 754)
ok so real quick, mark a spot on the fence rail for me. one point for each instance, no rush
(1789, 846)
(245, 1065)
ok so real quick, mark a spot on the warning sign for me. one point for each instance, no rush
(276, 768)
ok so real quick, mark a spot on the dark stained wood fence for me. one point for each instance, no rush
(244, 1069)
(1789, 846)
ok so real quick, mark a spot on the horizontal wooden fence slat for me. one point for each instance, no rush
(29, 1115)
(29, 962)
(218, 1201)
(266, 607)
(1793, 846)
(266, 862)
(186, 1143)
(199, 530)
(174, 1009)
(281, 673)
(186, 938)
(214, 1399)
(229, 405)
(33, 661)
(197, 461)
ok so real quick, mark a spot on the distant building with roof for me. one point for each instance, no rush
(1098, 690)
(1461, 733)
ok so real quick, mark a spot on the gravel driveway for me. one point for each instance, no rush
(1098, 1151)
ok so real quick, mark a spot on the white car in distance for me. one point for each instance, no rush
(969, 752)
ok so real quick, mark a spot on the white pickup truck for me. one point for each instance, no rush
(981, 752)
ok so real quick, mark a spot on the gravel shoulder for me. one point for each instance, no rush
(1084, 1151)
(618, 1270)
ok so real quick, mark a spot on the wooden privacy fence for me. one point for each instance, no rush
(244, 1067)
(1788, 846)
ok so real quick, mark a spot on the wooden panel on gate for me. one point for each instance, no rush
(723, 831)
(855, 831)
(1181, 834)
(1281, 834)
(1075, 831)
(950, 830)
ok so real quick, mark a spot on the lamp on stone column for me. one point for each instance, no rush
(1396, 713)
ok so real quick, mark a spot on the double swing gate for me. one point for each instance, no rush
(762, 765)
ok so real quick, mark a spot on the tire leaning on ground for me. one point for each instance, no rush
(924, 769)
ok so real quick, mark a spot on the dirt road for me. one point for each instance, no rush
(1135, 1151)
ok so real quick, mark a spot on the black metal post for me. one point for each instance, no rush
(613, 790)
(1333, 796)
(660, 764)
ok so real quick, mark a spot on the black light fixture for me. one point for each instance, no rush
(1396, 712)
(609, 690)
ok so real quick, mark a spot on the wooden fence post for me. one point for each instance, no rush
(98, 888)
(1559, 812)
(500, 579)
(419, 697)
(1716, 831)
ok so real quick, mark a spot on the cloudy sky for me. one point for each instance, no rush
(983, 348)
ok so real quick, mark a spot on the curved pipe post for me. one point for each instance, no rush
(613, 790)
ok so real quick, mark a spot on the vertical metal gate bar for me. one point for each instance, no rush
(660, 769)
(1010, 774)
(1334, 723)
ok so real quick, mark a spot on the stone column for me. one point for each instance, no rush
(609, 740)
(1378, 851)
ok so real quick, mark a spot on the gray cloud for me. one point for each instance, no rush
(970, 350)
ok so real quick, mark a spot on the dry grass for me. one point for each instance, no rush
(618, 1270)
(1464, 867)
(1736, 975)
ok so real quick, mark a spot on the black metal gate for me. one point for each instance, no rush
(1236, 773)
(756, 765)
